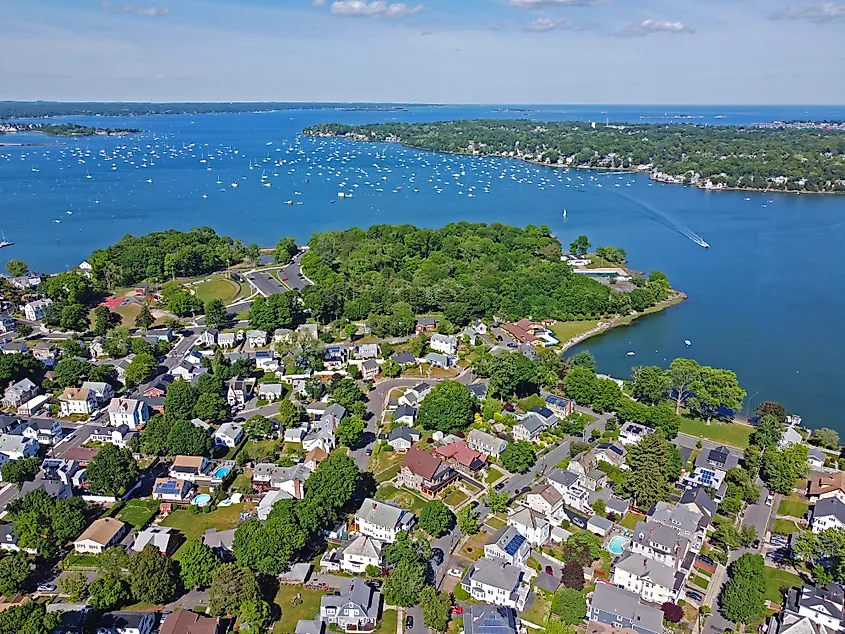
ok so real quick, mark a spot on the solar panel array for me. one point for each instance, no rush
(493, 623)
(514, 544)
(167, 487)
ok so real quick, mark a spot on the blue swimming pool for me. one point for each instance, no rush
(617, 545)
(203, 499)
(222, 472)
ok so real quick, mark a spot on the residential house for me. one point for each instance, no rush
(333, 414)
(103, 392)
(446, 344)
(267, 477)
(355, 609)
(228, 435)
(56, 489)
(468, 335)
(363, 551)
(256, 338)
(120, 367)
(128, 411)
(560, 407)
(685, 519)
(820, 604)
(426, 324)
(599, 525)
(46, 352)
(653, 581)
(77, 400)
(711, 467)
(478, 390)
(366, 351)
(586, 466)
(221, 542)
(621, 608)
(546, 500)
(403, 358)
(314, 457)
(816, 458)
(664, 544)
(828, 513)
(9, 541)
(509, 545)
(402, 438)
(827, 486)
(546, 415)
(613, 453)
(529, 428)
(370, 369)
(34, 405)
(439, 360)
(45, 431)
(491, 581)
(321, 436)
(490, 619)
(697, 500)
(334, 358)
(790, 437)
(7, 324)
(530, 524)
(309, 330)
(165, 335)
(486, 443)
(462, 458)
(16, 447)
(102, 533)
(239, 391)
(95, 348)
(633, 433)
(270, 391)
(788, 622)
(187, 622)
(382, 520)
(162, 537)
(172, 490)
(415, 395)
(190, 468)
(531, 332)
(208, 337)
(266, 361)
(187, 371)
(226, 340)
(575, 260)
(37, 310)
(425, 472)
(127, 623)
(295, 434)
(405, 415)
(19, 393)
(268, 501)
(568, 484)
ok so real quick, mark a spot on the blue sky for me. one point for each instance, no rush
(443, 51)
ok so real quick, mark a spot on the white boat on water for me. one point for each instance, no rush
(687, 342)
(630, 354)
(234, 184)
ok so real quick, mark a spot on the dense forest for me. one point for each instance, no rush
(64, 129)
(163, 255)
(388, 274)
(782, 159)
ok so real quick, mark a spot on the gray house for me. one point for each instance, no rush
(490, 619)
(620, 608)
(485, 443)
(355, 609)
(402, 438)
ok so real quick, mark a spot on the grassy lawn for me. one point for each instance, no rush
(735, 434)
(537, 613)
(407, 499)
(493, 474)
(218, 288)
(193, 526)
(701, 582)
(260, 448)
(385, 460)
(388, 474)
(784, 527)
(138, 513)
(455, 498)
(128, 312)
(307, 609)
(495, 522)
(78, 559)
(777, 579)
(566, 330)
(386, 492)
(630, 520)
(473, 548)
(388, 622)
(793, 506)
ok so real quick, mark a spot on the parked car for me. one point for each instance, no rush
(770, 499)
(409, 622)
(499, 338)
(549, 570)
(454, 572)
(456, 609)
(706, 560)
(369, 451)
(756, 544)
(499, 486)
(694, 596)
(511, 345)
(46, 587)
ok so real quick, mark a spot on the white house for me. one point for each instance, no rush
(633, 433)
(208, 337)
(127, 623)
(531, 525)
(16, 447)
(491, 581)
(239, 391)
(828, 513)
(363, 551)
(256, 338)
(370, 369)
(415, 395)
(568, 484)
(36, 311)
(19, 393)
(77, 400)
(382, 520)
(288, 479)
(816, 458)
(102, 533)
(529, 428)
(191, 468)
(103, 392)
(790, 437)
(653, 581)
(226, 340)
(270, 391)
(447, 344)
(546, 500)
(45, 431)
(405, 415)
(162, 537)
(228, 435)
(822, 604)
(510, 546)
(485, 443)
(266, 361)
(117, 436)
(128, 411)
(172, 490)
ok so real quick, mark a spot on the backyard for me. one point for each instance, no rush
(630, 520)
(138, 513)
(473, 548)
(735, 434)
(793, 506)
(538, 612)
(307, 606)
(777, 579)
(388, 622)
(455, 498)
(193, 526)
(784, 527)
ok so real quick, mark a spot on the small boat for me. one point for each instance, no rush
(234, 184)
(564, 213)
(687, 342)
(149, 180)
(630, 354)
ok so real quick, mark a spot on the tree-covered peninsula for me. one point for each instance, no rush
(63, 129)
(787, 158)
(388, 274)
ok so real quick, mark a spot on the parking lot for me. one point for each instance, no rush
(265, 283)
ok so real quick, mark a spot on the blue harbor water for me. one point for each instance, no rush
(764, 298)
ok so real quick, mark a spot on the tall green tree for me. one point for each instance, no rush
(449, 407)
(650, 384)
(285, 250)
(767, 433)
(569, 604)
(215, 313)
(112, 470)
(180, 400)
(580, 246)
(16, 268)
(153, 578)
(743, 597)
(144, 319)
(683, 376)
(231, 587)
(197, 563)
(716, 390)
(350, 431)
(518, 457)
(468, 521)
(653, 464)
(782, 468)
(435, 608)
(436, 518)
(512, 373)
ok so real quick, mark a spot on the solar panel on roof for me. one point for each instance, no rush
(514, 544)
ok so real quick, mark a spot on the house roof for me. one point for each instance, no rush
(602, 523)
(122, 620)
(492, 572)
(825, 599)
(102, 531)
(422, 463)
(529, 518)
(364, 546)
(403, 358)
(336, 410)
(309, 626)
(532, 423)
(357, 593)
(75, 394)
(698, 497)
(219, 539)
(158, 536)
(830, 506)
(194, 462)
(405, 410)
(382, 514)
(817, 454)
(548, 493)
(187, 622)
(645, 568)
(563, 477)
(117, 405)
(508, 540)
(10, 443)
(621, 602)
(317, 454)
(489, 619)
(827, 483)
(479, 390)
(403, 432)
(487, 440)
(229, 430)
(462, 454)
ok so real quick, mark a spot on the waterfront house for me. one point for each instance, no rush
(172, 490)
(446, 344)
(621, 608)
(354, 609)
(575, 260)
(486, 443)
(77, 400)
(827, 486)
(790, 437)
(816, 458)
(228, 435)
(128, 411)
(425, 472)
(491, 581)
(828, 513)
(36, 310)
(102, 533)
(382, 520)
(509, 545)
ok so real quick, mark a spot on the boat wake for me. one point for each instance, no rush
(650, 211)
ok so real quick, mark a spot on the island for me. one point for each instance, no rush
(63, 129)
(788, 158)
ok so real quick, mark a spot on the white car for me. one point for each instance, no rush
(454, 572)
(770, 499)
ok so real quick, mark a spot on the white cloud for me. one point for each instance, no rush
(542, 25)
(374, 9)
(318, 3)
(529, 5)
(653, 27)
(130, 8)
(816, 12)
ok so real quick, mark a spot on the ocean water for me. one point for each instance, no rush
(764, 299)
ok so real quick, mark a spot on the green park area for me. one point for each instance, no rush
(138, 513)
(218, 288)
(192, 525)
(566, 330)
(734, 434)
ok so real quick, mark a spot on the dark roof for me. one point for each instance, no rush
(403, 358)
(545, 412)
(719, 455)
(185, 622)
(699, 497)
(422, 463)
(549, 583)
(830, 506)
(405, 410)
(489, 619)
(117, 620)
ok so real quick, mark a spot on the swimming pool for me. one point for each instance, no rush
(222, 472)
(617, 545)
(203, 499)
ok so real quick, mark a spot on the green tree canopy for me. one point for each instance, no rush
(436, 518)
(653, 463)
(743, 597)
(518, 457)
(449, 407)
(197, 562)
(112, 470)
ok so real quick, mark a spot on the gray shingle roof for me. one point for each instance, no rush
(830, 506)
(492, 572)
(626, 604)
(643, 567)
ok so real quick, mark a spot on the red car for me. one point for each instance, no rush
(456, 609)
(284, 279)
(549, 570)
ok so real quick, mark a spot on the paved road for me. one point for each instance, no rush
(265, 283)
(293, 271)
